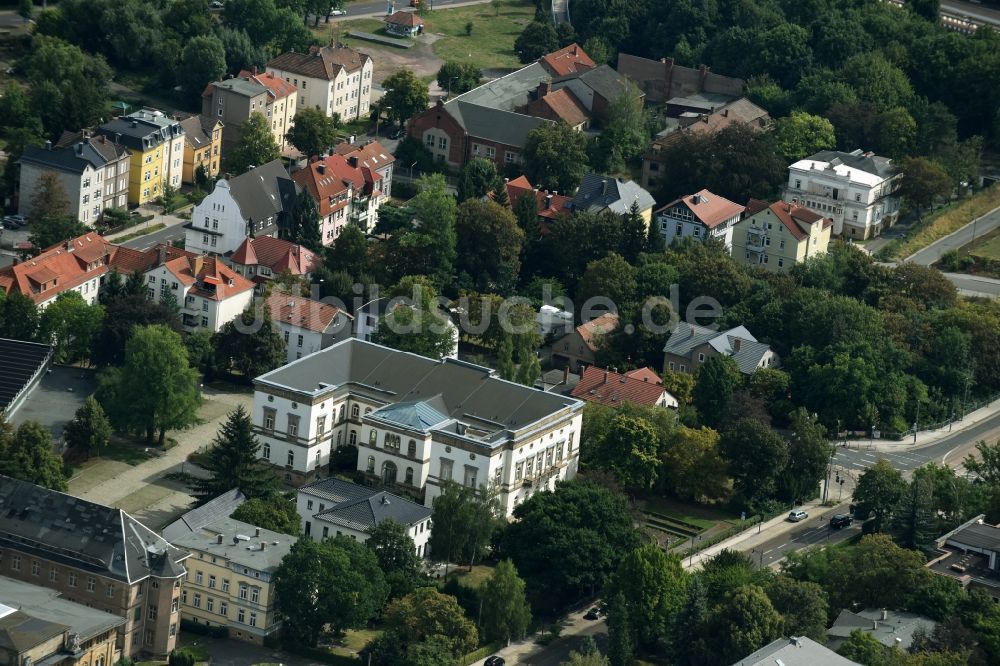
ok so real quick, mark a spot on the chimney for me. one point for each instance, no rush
(885, 614)
(263, 545)
(48, 145)
(544, 88)
(566, 375)
(256, 531)
(218, 539)
(79, 148)
(353, 161)
(321, 167)
(605, 377)
(737, 343)
(548, 201)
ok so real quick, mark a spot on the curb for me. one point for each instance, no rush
(944, 238)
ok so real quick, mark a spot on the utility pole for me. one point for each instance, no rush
(916, 423)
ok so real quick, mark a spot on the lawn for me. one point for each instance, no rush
(354, 640)
(696, 514)
(949, 219)
(141, 232)
(491, 44)
(987, 247)
(472, 579)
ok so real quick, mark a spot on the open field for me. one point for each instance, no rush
(987, 247)
(947, 220)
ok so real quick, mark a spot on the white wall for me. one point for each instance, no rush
(693, 228)
(223, 216)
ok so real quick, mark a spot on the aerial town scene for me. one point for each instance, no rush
(498, 332)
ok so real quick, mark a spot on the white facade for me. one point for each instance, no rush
(197, 310)
(348, 93)
(860, 203)
(85, 192)
(678, 222)
(173, 161)
(217, 224)
(301, 341)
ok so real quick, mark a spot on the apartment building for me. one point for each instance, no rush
(857, 190)
(157, 145)
(233, 100)
(344, 192)
(231, 577)
(370, 155)
(208, 293)
(779, 235)
(93, 172)
(334, 79)
(417, 422)
(202, 147)
(699, 216)
(97, 556)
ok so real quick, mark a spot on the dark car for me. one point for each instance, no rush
(398, 134)
(841, 520)
(494, 661)
(593, 614)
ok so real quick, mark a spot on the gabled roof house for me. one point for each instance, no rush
(690, 345)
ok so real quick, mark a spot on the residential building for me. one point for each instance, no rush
(417, 422)
(371, 155)
(38, 627)
(24, 365)
(858, 190)
(260, 259)
(157, 145)
(777, 236)
(333, 507)
(599, 193)
(795, 651)
(970, 555)
(699, 122)
(208, 293)
(368, 315)
(690, 345)
(231, 578)
(79, 265)
(612, 389)
(662, 80)
(202, 147)
(92, 171)
(578, 348)
(233, 100)
(553, 322)
(344, 194)
(550, 204)
(699, 216)
(493, 120)
(404, 24)
(893, 629)
(97, 556)
(222, 506)
(307, 325)
(250, 205)
(571, 59)
(334, 79)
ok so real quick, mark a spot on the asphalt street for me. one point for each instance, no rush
(959, 239)
(814, 530)
(167, 236)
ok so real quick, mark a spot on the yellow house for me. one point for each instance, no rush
(202, 146)
(157, 145)
(230, 582)
(777, 236)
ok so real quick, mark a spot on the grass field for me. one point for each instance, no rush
(491, 43)
(987, 247)
(949, 219)
(474, 578)
(703, 516)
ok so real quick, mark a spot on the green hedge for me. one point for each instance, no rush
(476, 655)
(203, 629)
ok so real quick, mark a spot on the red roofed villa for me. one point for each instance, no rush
(259, 259)
(607, 387)
(779, 235)
(699, 216)
(344, 194)
(578, 348)
(550, 204)
(307, 325)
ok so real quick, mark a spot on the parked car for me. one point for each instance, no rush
(14, 221)
(797, 515)
(338, 12)
(494, 661)
(593, 614)
(841, 520)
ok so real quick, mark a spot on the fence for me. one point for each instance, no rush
(968, 408)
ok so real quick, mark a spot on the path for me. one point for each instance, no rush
(141, 489)
(957, 239)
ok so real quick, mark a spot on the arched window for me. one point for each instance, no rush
(388, 472)
(340, 415)
(409, 476)
(353, 439)
(373, 438)
(371, 464)
(411, 449)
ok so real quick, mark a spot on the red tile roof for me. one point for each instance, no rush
(592, 330)
(277, 254)
(645, 374)
(278, 87)
(199, 271)
(568, 60)
(372, 154)
(59, 268)
(328, 179)
(303, 312)
(321, 62)
(612, 389)
(563, 104)
(549, 209)
(792, 216)
(409, 19)
(711, 209)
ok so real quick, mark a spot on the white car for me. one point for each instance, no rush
(797, 515)
(338, 12)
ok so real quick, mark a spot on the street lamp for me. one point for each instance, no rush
(691, 554)
(411, 170)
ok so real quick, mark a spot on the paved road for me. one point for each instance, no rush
(167, 235)
(814, 530)
(960, 238)
(973, 285)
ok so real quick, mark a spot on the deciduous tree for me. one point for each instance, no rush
(89, 430)
(923, 181)
(537, 39)
(397, 556)
(458, 77)
(19, 317)
(251, 343)
(879, 490)
(715, 382)
(745, 621)
(757, 457)
(802, 604)
(273, 511)
(505, 614)
(488, 245)
(27, 454)
(653, 586)
(801, 134)
(314, 132)
(203, 60)
(405, 94)
(256, 146)
(555, 157)
(693, 469)
(425, 614)
(71, 325)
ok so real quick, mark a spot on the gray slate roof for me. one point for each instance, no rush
(800, 651)
(39, 613)
(74, 158)
(362, 508)
(599, 193)
(263, 192)
(83, 534)
(897, 624)
(142, 130)
(241, 86)
(222, 506)
(603, 80)
(687, 337)
(240, 544)
(976, 535)
(491, 407)
(873, 164)
(22, 361)
(497, 125)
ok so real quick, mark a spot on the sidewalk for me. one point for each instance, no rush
(926, 438)
(166, 219)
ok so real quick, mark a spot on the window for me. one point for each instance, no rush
(34, 567)
(509, 157)
(320, 425)
(197, 601)
(442, 143)
(355, 411)
(173, 606)
(211, 582)
(91, 583)
(340, 414)
(409, 476)
(519, 471)
(53, 575)
(781, 262)
(701, 358)
(151, 613)
(137, 615)
(224, 609)
(72, 579)
(371, 464)
(529, 465)
(173, 629)
(210, 604)
(353, 438)
(391, 442)
(446, 467)
(798, 184)
(240, 615)
(255, 594)
(266, 451)
(300, 341)
(411, 449)
(253, 619)
(373, 438)
(198, 577)
(428, 140)
(225, 585)
(244, 591)
(857, 197)
(290, 459)
(184, 596)
(293, 425)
